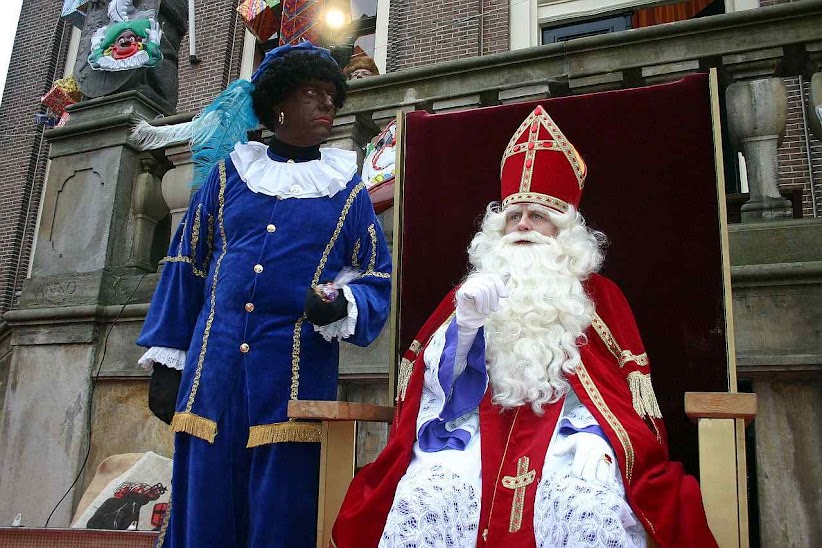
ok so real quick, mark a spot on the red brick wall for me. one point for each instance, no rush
(38, 57)
(424, 32)
(794, 167)
(219, 33)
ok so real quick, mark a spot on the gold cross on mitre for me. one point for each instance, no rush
(519, 483)
(539, 119)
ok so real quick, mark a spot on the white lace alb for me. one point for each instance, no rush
(433, 508)
(572, 512)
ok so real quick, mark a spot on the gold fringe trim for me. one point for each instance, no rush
(285, 432)
(644, 398)
(195, 425)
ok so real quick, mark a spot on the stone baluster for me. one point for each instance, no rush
(177, 188)
(352, 132)
(757, 104)
(148, 208)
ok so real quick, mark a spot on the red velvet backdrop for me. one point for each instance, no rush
(651, 187)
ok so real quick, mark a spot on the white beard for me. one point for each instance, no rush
(532, 339)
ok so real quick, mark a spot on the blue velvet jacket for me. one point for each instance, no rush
(232, 295)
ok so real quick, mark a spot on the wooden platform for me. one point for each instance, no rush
(26, 537)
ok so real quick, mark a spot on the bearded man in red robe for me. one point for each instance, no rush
(526, 414)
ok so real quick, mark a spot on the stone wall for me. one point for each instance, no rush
(38, 57)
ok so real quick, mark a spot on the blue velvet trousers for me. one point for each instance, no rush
(225, 495)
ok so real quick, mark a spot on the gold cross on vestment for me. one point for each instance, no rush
(519, 483)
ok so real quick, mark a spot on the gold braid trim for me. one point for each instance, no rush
(643, 395)
(210, 321)
(285, 432)
(404, 377)
(611, 419)
(295, 348)
(354, 260)
(331, 543)
(197, 426)
(622, 356)
(161, 537)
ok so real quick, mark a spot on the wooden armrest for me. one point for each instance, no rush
(339, 411)
(720, 405)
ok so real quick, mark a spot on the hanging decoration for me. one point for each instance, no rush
(301, 21)
(261, 17)
(74, 12)
(130, 40)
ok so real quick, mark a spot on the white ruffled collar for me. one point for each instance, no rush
(313, 179)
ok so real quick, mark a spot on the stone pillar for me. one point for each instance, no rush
(148, 208)
(98, 205)
(352, 132)
(177, 188)
(757, 105)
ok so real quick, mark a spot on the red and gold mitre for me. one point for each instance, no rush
(541, 166)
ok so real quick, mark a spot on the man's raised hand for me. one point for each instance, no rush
(477, 298)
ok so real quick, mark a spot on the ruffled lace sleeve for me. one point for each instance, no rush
(170, 357)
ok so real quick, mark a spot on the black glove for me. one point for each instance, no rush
(162, 391)
(322, 313)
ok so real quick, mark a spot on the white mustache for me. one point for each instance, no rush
(530, 236)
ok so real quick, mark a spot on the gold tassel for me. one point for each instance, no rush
(643, 395)
(406, 368)
(195, 425)
(285, 432)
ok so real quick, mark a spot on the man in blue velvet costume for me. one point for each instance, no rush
(238, 311)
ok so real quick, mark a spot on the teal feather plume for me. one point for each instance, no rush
(222, 124)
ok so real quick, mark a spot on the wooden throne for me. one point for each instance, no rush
(655, 187)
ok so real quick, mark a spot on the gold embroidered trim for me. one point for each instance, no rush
(332, 543)
(354, 260)
(372, 261)
(560, 143)
(404, 377)
(613, 422)
(376, 274)
(207, 332)
(519, 483)
(415, 347)
(197, 426)
(195, 239)
(406, 369)
(295, 359)
(295, 348)
(183, 259)
(161, 537)
(622, 356)
(285, 432)
(642, 392)
(537, 198)
(195, 230)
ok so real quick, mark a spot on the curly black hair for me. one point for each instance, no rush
(289, 72)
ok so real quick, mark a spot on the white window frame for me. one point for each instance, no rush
(527, 17)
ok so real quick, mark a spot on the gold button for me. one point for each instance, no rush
(289, 161)
(271, 228)
(249, 307)
(258, 268)
(244, 348)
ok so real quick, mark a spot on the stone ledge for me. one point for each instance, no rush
(758, 275)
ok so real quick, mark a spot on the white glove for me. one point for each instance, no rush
(477, 298)
(594, 459)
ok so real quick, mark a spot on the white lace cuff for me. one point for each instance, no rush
(344, 327)
(170, 357)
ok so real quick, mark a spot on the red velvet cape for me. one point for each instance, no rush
(663, 497)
